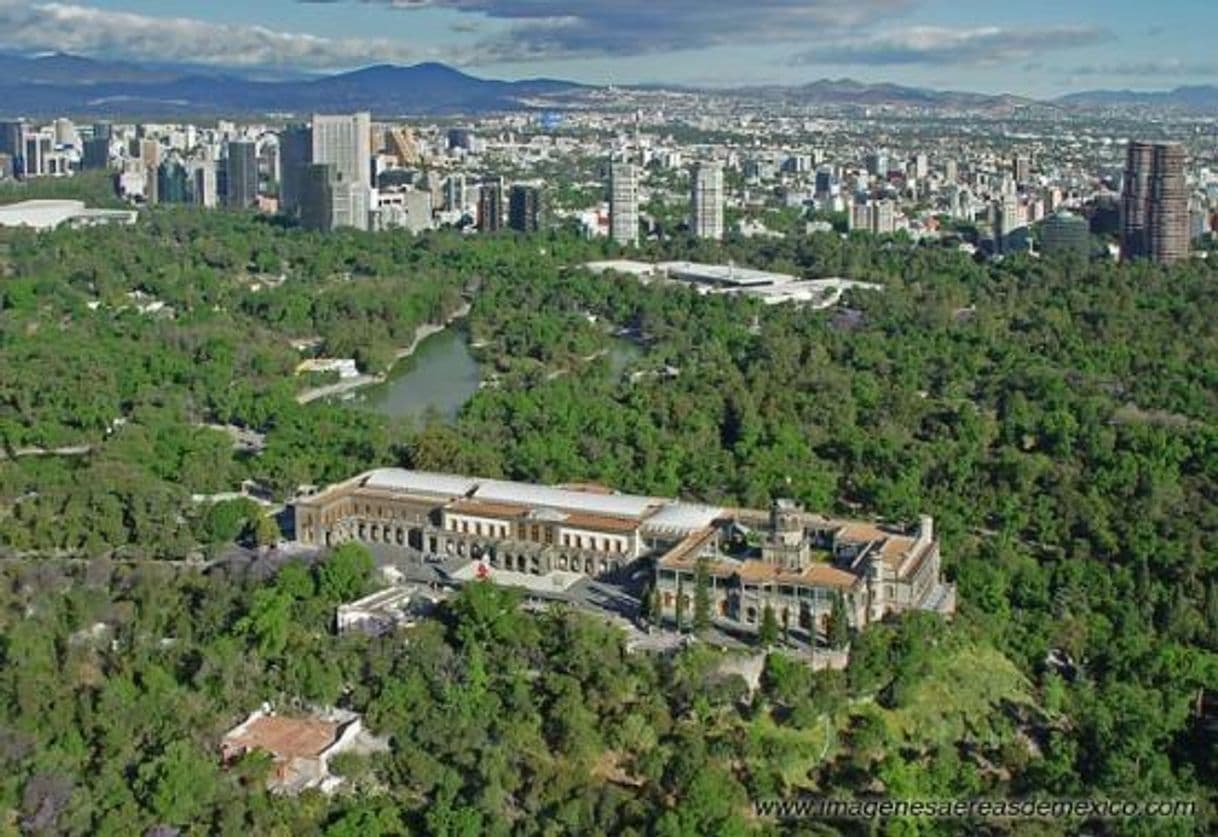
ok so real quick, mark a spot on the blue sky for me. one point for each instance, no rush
(1033, 47)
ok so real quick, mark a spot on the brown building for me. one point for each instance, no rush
(795, 561)
(1154, 203)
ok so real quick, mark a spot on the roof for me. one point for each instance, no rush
(620, 505)
(285, 738)
(420, 482)
(683, 517)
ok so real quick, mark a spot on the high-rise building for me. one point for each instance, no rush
(241, 169)
(345, 144)
(204, 188)
(1021, 168)
(921, 166)
(707, 201)
(454, 193)
(524, 208)
(317, 197)
(173, 185)
(1154, 203)
(877, 217)
(490, 205)
(402, 144)
(295, 157)
(1065, 234)
(150, 156)
(624, 202)
(1010, 226)
(96, 154)
(12, 139)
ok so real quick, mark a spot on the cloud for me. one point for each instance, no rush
(532, 29)
(1170, 67)
(934, 45)
(85, 30)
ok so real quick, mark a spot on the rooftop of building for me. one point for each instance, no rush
(285, 738)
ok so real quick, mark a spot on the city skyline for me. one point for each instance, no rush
(1036, 49)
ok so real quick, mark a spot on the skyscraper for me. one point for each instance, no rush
(317, 197)
(241, 168)
(1154, 203)
(345, 143)
(624, 202)
(1065, 234)
(490, 205)
(295, 157)
(150, 156)
(707, 201)
(524, 208)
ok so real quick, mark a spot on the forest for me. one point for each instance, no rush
(1057, 418)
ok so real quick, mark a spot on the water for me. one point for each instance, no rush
(442, 375)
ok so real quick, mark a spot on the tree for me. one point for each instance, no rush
(680, 607)
(839, 624)
(346, 574)
(702, 602)
(767, 634)
(266, 531)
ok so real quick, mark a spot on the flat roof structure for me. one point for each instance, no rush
(49, 214)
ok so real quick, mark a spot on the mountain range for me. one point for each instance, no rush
(55, 84)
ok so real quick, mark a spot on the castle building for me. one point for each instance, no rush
(796, 562)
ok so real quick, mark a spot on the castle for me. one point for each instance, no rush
(796, 562)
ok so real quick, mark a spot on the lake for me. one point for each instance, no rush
(442, 374)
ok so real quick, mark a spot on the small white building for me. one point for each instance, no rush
(301, 747)
(385, 610)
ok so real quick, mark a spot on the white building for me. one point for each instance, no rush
(50, 214)
(624, 203)
(345, 142)
(707, 201)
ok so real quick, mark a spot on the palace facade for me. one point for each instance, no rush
(795, 561)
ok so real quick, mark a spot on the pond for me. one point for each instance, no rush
(442, 375)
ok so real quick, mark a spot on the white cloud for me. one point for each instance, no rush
(86, 30)
(937, 45)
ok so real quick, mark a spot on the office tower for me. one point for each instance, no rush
(921, 166)
(1065, 234)
(707, 201)
(12, 138)
(951, 171)
(402, 144)
(103, 130)
(877, 164)
(96, 153)
(317, 197)
(1010, 228)
(173, 185)
(345, 144)
(454, 193)
(524, 208)
(1154, 203)
(824, 183)
(241, 175)
(204, 188)
(461, 138)
(876, 217)
(295, 157)
(37, 145)
(624, 202)
(1022, 168)
(150, 156)
(490, 205)
(65, 132)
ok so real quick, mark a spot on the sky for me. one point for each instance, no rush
(1031, 47)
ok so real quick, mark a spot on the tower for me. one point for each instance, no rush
(624, 202)
(707, 201)
(241, 170)
(1154, 203)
